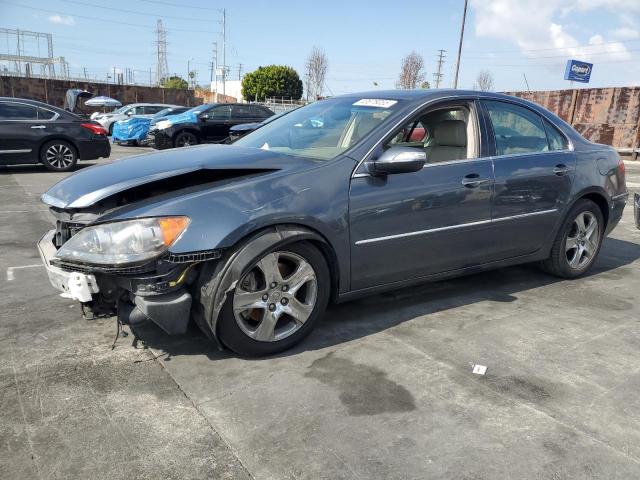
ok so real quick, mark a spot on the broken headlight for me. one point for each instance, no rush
(162, 124)
(125, 242)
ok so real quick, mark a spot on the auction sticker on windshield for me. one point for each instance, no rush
(375, 102)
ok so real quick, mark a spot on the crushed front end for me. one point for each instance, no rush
(124, 268)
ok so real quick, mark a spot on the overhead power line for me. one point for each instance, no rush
(146, 14)
(97, 19)
(181, 5)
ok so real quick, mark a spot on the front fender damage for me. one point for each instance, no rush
(218, 280)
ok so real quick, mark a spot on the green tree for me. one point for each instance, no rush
(272, 81)
(176, 82)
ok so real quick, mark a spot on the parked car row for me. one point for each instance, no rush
(142, 110)
(208, 123)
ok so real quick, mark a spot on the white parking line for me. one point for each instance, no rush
(633, 184)
(10, 270)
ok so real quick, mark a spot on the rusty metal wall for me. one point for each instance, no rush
(603, 115)
(53, 91)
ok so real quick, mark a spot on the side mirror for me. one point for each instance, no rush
(399, 160)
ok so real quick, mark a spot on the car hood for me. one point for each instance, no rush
(91, 185)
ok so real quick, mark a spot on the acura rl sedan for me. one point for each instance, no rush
(338, 199)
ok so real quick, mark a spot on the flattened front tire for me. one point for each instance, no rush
(58, 156)
(272, 309)
(577, 242)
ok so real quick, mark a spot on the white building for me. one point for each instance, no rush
(232, 88)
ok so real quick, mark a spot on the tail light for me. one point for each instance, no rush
(95, 129)
(621, 167)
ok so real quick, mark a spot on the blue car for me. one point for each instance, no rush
(136, 129)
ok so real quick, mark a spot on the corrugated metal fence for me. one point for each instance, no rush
(603, 115)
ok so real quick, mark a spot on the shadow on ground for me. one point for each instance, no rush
(367, 316)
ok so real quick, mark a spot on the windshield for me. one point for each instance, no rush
(199, 108)
(162, 113)
(323, 129)
(121, 109)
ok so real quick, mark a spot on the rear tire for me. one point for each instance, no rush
(577, 242)
(185, 139)
(58, 156)
(283, 308)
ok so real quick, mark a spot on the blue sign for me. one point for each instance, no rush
(578, 71)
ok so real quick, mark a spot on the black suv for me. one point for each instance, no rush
(208, 123)
(32, 132)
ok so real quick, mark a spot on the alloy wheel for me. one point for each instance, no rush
(276, 297)
(59, 156)
(185, 141)
(582, 241)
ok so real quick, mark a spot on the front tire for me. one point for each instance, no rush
(578, 241)
(185, 139)
(58, 156)
(277, 301)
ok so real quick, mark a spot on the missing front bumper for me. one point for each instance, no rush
(75, 285)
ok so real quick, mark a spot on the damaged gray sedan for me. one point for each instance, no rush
(345, 197)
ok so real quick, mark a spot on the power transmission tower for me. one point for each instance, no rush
(239, 71)
(162, 68)
(437, 76)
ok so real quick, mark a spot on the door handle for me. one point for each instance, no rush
(560, 169)
(39, 126)
(473, 180)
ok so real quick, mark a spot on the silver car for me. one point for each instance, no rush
(132, 110)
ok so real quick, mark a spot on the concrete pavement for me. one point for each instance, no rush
(382, 389)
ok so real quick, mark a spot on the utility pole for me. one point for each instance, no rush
(437, 77)
(215, 70)
(239, 71)
(85, 72)
(224, 50)
(464, 19)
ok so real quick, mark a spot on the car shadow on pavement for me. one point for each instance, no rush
(360, 318)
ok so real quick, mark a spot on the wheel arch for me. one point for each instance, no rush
(597, 196)
(218, 279)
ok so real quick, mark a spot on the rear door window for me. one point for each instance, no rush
(17, 111)
(557, 141)
(242, 112)
(259, 112)
(516, 129)
(44, 114)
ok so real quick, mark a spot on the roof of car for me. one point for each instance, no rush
(25, 100)
(422, 94)
(166, 105)
(35, 103)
